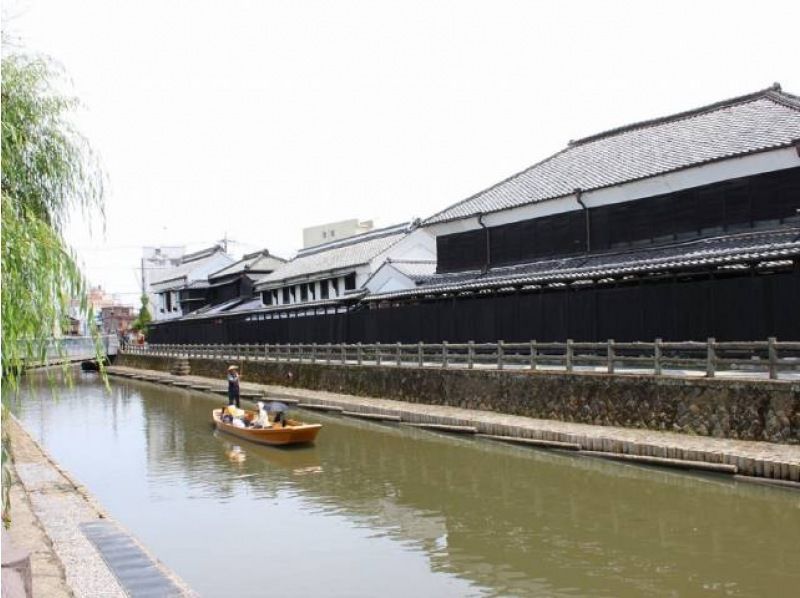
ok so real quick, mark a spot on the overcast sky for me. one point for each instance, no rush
(254, 119)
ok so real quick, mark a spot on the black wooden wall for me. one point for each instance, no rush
(732, 205)
(742, 307)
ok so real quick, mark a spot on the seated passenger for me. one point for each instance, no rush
(262, 419)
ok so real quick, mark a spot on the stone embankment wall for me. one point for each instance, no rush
(745, 410)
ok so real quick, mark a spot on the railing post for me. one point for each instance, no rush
(420, 355)
(711, 358)
(377, 353)
(470, 354)
(399, 355)
(328, 354)
(359, 353)
(772, 350)
(610, 355)
(445, 351)
(533, 355)
(344, 353)
(266, 351)
(500, 355)
(569, 355)
(657, 357)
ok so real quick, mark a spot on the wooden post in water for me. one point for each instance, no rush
(500, 355)
(471, 354)
(359, 353)
(420, 355)
(399, 355)
(772, 351)
(444, 354)
(711, 358)
(533, 355)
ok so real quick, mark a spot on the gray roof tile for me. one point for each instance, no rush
(764, 120)
(781, 243)
(415, 269)
(253, 262)
(336, 255)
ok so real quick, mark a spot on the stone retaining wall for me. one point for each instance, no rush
(746, 410)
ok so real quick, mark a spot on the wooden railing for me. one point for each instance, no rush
(766, 358)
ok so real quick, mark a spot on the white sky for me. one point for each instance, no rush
(257, 118)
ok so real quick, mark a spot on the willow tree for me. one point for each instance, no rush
(48, 173)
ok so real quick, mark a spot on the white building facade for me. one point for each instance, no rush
(192, 270)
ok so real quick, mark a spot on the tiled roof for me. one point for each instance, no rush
(415, 269)
(187, 265)
(781, 243)
(761, 121)
(336, 255)
(259, 261)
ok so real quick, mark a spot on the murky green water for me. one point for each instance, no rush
(378, 510)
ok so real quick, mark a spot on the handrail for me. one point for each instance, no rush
(707, 358)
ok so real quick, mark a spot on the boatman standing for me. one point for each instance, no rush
(233, 386)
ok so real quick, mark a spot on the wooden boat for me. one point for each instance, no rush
(294, 432)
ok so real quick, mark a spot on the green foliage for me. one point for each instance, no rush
(47, 171)
(144, 318)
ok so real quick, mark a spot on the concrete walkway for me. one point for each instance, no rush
(49, 514)
(751, 461)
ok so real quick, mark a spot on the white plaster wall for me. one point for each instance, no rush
(418, 245)
(388, 279)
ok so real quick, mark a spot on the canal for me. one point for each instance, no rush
(381, 510)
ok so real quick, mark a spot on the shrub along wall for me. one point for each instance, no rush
(722, 408)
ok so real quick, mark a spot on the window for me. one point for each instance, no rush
(323, 289)
(350, 282)
(168, 301)
(303, 292)
(312, 290)
(335, 286)
(275, 297)
(285, 295)
(266, 298)
(293, 293)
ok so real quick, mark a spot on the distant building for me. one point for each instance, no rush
(191, 273)
(334, 231)
(117, 318)
(99, 299)
(231, 287)
(156, 261)
(336, 272)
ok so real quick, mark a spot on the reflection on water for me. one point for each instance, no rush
(374, 509)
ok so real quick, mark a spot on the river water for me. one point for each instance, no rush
(382, 510)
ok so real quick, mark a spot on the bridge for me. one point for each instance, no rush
(76, 349)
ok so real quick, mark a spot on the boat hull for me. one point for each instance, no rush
(275, 436)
